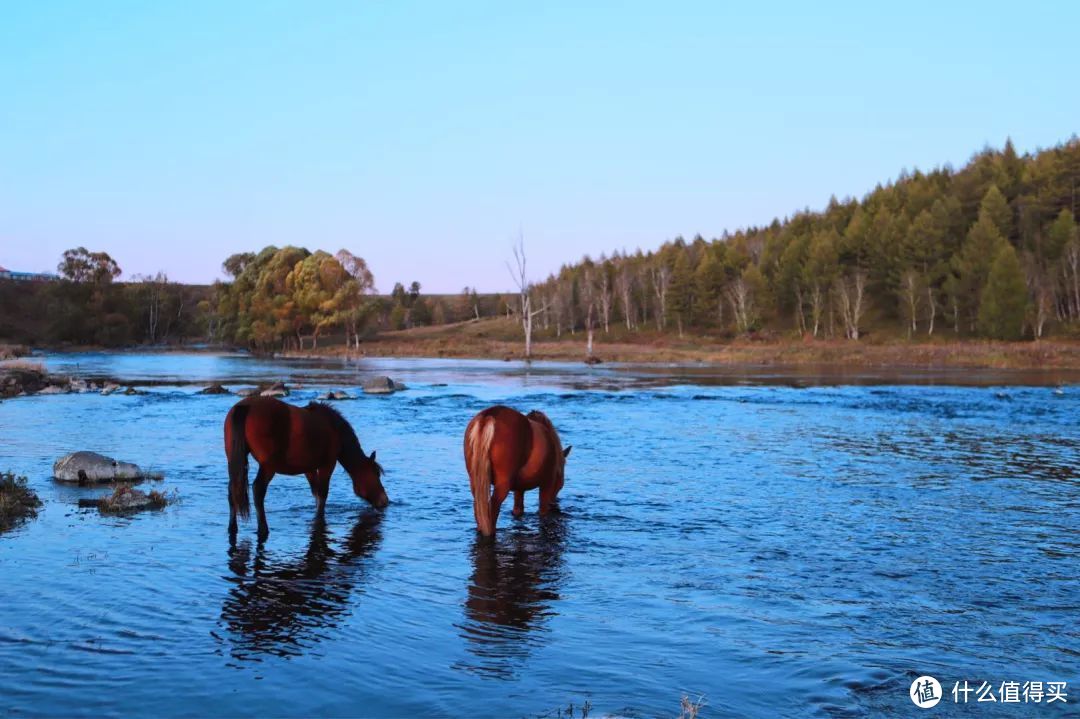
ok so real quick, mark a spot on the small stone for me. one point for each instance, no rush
(382, 385)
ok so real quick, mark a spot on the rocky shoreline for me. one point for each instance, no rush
(21, 379)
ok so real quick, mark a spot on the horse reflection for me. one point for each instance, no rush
(279, 604)
(512, 592)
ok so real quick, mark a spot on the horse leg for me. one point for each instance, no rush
(547, 497)
(519, 502)
(498, 496)
(262, 481)
(322, 489)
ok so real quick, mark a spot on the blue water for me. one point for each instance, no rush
(783, 551)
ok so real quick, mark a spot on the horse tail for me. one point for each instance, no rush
(237, 453)
(478, 454)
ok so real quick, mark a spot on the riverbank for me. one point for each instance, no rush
(501, 339)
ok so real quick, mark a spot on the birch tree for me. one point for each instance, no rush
(519, 272)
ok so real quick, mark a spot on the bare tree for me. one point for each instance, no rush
(741, 299)
(605, 293)
(850, 291)
(590, 297)
(1072, 266)
(154, 290)
(817, 305)
(521, 279)
(911, 295)
(625, 284)
(661, 281)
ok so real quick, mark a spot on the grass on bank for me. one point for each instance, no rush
(501, 338)
(17, 501)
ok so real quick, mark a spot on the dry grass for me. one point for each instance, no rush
(500, 338)
(128, 499)
(17, 501)
(12, 351)
(690, 708)
(21, 365)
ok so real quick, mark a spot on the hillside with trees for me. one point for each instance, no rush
(990, 250)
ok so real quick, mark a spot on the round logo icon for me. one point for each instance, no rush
(925, 692)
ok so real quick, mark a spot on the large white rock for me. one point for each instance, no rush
(94, 467)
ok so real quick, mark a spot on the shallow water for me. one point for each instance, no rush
(783, 551)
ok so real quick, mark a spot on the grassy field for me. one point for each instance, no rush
(501, 338)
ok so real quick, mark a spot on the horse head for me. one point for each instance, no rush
(366, 476)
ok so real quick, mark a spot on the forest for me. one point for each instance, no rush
(990, 250)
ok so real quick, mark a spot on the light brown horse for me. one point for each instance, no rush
(287, 439)
(507, 451)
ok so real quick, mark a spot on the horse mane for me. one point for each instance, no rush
(553, 436)
(350, 443)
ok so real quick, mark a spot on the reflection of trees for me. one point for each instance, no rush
(511, 594)
(279, 603)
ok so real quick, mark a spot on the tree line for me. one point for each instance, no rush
(88, 307)
(288, 298)
(990, 250)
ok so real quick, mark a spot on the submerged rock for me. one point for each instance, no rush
(278, 389)
(91, 467)
(382, 385)
(246, 392)
(335, 395)
(215, 388)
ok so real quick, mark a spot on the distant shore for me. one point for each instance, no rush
(484, 341)
(500, 339)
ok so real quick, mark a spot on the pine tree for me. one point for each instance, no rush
(682, 291)
(997, 209)
(972, 266)
(1061, 233)
(1004, 299)
(709, 279)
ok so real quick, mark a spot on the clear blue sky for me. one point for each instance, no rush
(422, 136)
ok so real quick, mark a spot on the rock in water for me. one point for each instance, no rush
(382, 385)
(278, 389)
(215, 388)
(92, 467)
(335, 395)
(246, 392)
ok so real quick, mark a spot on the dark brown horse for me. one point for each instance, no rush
(507, 451)
(294, 440)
